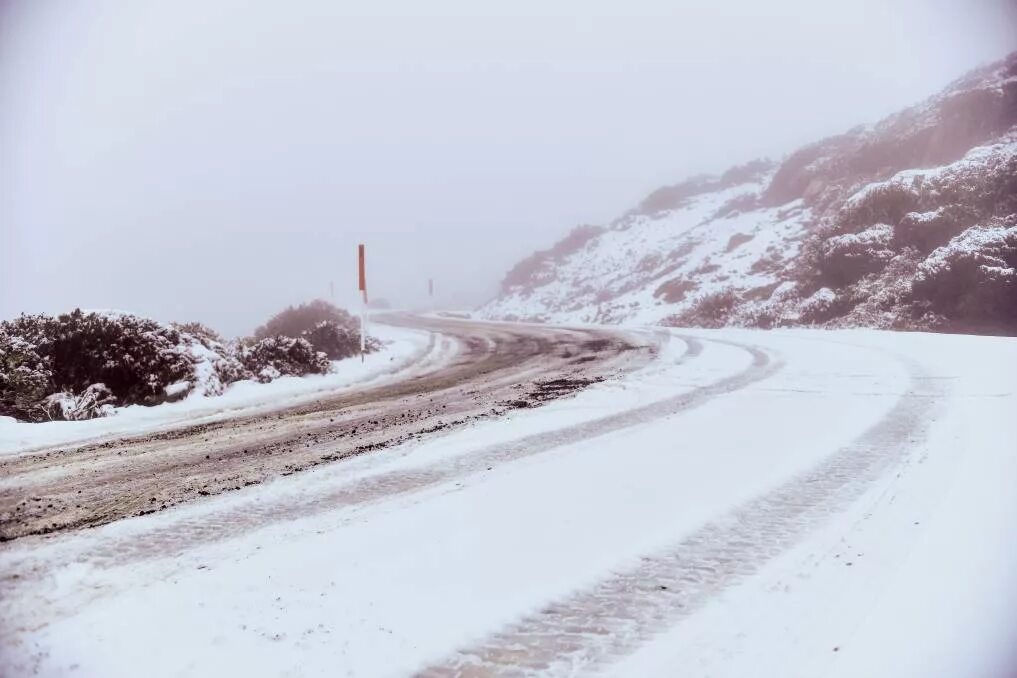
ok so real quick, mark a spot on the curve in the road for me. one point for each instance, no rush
(498, 367)
(190, 532)
(594, 626)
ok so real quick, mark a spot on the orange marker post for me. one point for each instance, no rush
(363, 308)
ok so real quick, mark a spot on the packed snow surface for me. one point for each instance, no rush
(784, 503)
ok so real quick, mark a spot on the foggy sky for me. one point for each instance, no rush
(216, 161)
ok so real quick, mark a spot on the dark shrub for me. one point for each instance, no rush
(764, 318)
(674, 290)
(329, 329)
(883, 204)
(273, 357)
(762, 292)
(25, 378)
(925, 231)
(972, 281)
(822, 306)
(337, 342)
(296, 320)
(203, 333)
(843, 259)
(94, 401)
(709, 310)
(80, 365)
(135, 358)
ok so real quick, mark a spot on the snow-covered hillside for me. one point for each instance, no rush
(911, 222)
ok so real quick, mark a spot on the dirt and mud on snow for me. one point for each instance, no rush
(498, 368)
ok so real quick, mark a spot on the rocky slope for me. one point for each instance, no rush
(908, 223)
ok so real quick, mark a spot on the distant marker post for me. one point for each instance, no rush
(363, 307)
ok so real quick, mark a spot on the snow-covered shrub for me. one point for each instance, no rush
(708, 310)
(295, 320)
(883, 299)
(135, 358)
(203, 333)
(764, 316)
(771, 262)
(843, 259)
(329, 329)
(926, 230)
(95, 401)
(972, 280)
(214, 366)
(25, 377)
(215, 361)
(83, 364)
(674, 290)
(885, 202)
(819, 307)
(336, 341)
(273, 357)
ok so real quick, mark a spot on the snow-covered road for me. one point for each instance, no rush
(784, 503)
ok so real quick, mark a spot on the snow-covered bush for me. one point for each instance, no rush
(95, 401)
(818, 307)
(843, 259)
(273, 357)
(337, 342)
(927, 230)
(708, 310)
(81, 365)
(766, 315)
(883, 299)
(885, 203)
(202, 333)
(329, 329)
(674, 290)
(295, 320)
(972, 281)
(135, 358)
(25, 377)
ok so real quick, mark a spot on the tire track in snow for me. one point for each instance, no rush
(67, 489)
(586, 630)
(194, 531)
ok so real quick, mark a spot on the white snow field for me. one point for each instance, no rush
(783, 503)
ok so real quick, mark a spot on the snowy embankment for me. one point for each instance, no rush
(403, 348)
(793, 503)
